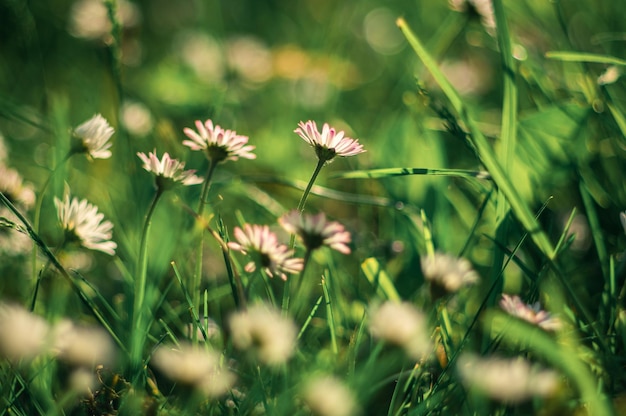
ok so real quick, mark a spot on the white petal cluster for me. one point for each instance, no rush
(83, 220)
(264, 331)
(196, 367)
(94, 135)
(507, 380)
(402, 324)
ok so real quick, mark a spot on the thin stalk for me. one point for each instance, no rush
(305, 195)
(287, 294)
(197, 276)
(292, 239)
(140, 285)
(330, 317)
(57, 265)
(38, 206)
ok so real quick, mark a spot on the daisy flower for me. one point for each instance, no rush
(262, 246)
(316, 231)
(514, 306)
(326, 395)
(506, 380)
(265, 332)
(622, 219)
(23, 335)
(217, 143)
(14, 188)
(82, 222)
(168, 171)
(93, 137)
(402, 324)
(447, 273)
(329, 143)
(195, 367)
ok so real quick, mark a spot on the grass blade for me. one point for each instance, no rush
(584, 57)
(485, 152)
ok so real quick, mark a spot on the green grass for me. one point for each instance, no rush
(494, 143)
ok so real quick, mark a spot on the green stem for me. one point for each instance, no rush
(305, 195)
(141, 271)
(194, 288)
(57, 265)
(292, 240)
(39, 205)
(287, 295)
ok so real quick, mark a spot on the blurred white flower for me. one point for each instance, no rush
(82, 346)
(265, 332)
(328, 396)
(447, 273)
(262, 246)
(89, 19)
(137, 118)
(482, 8)
(14, 240)
(622, 219)
(202, 53)
(196, 367)
(13, 187)
(168, 171)
(93, 137)
(218, 144)
(23, 335)
(507, 380)
(82, 221)
(250, 58)
(329, 143)
(403, 325)
(316, 231)
(514, 306)
(381, 32)
(610, 75)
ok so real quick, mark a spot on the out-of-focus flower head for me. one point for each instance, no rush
(326, 395)
(514, 306)
(447, 274)
(89, 19)
(265, 332)
(480, 8)
(218, 144)
(316, 231)
(403, 325)
(329, 143)
(82, 346)
(92, 137)
(262, 246)
(196, 367)
(13, 187)
(506, 380)
(168, 171)
(23, 335)
(83, 223)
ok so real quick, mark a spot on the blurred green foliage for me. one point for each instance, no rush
(262, 66)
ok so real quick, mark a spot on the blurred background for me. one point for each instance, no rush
(260, 67)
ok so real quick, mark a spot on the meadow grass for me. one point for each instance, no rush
(312, 208)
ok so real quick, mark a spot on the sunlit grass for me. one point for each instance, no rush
(313, 277)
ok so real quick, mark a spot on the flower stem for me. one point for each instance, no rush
(292, 240)
(292, 292)
(138, 332)
(194, 287)
(305, 195)
(39, 204)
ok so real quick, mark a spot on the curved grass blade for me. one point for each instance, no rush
(561, 356)
(584, 57)
(485, 152)
(389, 172)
